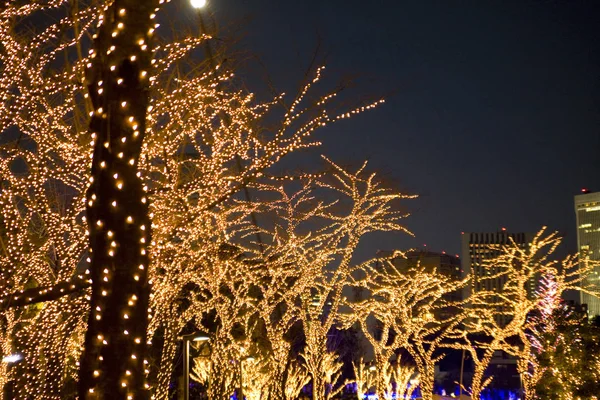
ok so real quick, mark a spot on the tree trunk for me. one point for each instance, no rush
(426, 382)
(112, 365)
(380, 384)
(476, 384)
(165, 369)
(276, 385)
(314, 354)
(318, 389)
(222, 378)
(527, 381)
(479, 382)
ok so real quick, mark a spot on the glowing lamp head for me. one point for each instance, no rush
(198, 3)
(12, 358)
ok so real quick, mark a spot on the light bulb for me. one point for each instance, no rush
(198, 3)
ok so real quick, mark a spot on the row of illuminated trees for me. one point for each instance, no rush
(141, 199)
(403, 308)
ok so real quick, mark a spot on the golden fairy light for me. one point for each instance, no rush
(277, 259)
(507, 317)
(199, 225)
(405, 307)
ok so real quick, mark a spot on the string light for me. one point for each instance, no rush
(189, 181)
(410, 307)
(62, 158)
(517, 266)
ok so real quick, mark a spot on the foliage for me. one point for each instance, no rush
(505, 318)
(570, 358)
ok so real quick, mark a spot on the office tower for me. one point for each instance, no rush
(587, 212)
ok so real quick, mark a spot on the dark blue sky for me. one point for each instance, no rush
(494, 112)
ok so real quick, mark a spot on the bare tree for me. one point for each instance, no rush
(405, 308)
(86, 87)
(520, 267)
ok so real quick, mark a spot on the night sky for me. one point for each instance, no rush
(492, 112)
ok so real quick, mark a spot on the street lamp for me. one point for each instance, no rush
(6, 392)
(198, 3)
(186, 360)
(12, 358)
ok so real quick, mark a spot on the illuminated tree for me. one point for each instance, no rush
(505, 318)
(405, 308)
(364, 378)
(370, 209)
(542, 324)
(296, 380)
(304, 263)
(44, 165)
(405, 380)
(396, 378)
(569, 361)
(119, 227)
(192, 165)
(6, 343)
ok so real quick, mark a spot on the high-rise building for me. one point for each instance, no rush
(587, 212)
(477, 249)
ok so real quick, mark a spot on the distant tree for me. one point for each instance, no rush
(406, 307)
(517, 266)
(348, 344)
(570, 359)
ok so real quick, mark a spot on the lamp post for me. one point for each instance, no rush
(186, 360)
(12, 358)
(521, 391)
(7, 391)
(198, 5)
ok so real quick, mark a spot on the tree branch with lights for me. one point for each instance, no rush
(504, 320)
(405, 308)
